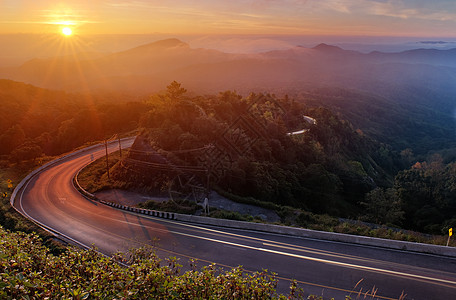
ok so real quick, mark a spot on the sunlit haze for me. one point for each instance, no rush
(310, 17)
(67, 31)
(291, 138)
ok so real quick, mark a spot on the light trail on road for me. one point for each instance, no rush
(332, 268)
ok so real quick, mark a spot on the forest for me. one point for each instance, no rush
(243, 145)
(38, 122)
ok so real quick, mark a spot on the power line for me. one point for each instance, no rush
(167, 166)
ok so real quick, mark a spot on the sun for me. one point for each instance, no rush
(67, 31)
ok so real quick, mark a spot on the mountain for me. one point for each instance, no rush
(102, 73)
(445, 58)
(418, 86)
(163, 61)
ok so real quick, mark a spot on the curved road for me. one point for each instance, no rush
(324, 268)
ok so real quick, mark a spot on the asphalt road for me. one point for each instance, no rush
(325, 268)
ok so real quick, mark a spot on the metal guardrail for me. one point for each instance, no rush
(43, 167)
(278, 229)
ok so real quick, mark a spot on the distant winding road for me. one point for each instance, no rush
(324, 268)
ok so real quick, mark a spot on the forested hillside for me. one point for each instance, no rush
(38, 122)
(243, 146)
(418, 121)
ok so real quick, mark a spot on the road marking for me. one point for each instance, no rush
(222, 233)
(341, 264)
(233, 245)
(273, 244)
(331, 262)
(326, 261)
(219, 264)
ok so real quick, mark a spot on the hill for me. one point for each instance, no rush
(413, 90)
(39, 121)
(172, 59)
(243, 145)
(420, 125)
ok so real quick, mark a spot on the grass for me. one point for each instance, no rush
(177, 206)
(94, 178)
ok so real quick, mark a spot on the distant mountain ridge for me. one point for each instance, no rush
(326, 47)
(171, 59)
(421, 82)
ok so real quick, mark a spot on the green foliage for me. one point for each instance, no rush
(11, 138)
(428, 193)
(230, 215)
(383, 206)
(175, 91)
(27, 151)
(94, 178)
(243, 142)
(38, 121)
(247, 200)
(28, 270)
(176, 205)
(400, 116)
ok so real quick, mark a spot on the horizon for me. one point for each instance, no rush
(139, 118)
(19, 48)
(36, 29)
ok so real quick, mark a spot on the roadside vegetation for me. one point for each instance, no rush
(30, 271)
(335, 178)
(334, 168)
(93, 178)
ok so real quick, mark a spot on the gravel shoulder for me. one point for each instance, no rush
(215, 201)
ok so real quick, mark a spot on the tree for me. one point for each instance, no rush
(383, 206)
(175, 91)
(11, 139)
(26, 151)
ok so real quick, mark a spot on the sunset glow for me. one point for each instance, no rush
(67, 31)
(311, 17)
(124, 122)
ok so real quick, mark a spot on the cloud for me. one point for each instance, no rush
(131, 4)
(437, 10)
(267, 16)
(239, 44)
(424, 11)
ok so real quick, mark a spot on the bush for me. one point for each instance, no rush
(177, 206)
(30, 271)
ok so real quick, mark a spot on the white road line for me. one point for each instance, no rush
(341, 264)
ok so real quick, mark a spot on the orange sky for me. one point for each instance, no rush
(340, 17)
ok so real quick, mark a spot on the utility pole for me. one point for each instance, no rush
(208, 174)
(120, 147)
(107, 162)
